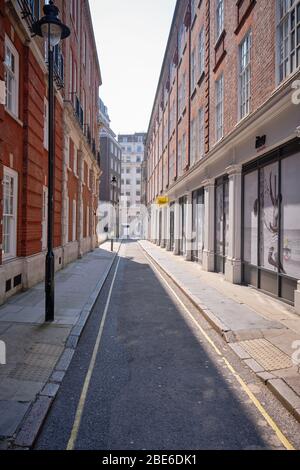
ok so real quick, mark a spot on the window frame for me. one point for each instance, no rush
(281, 22)
(219, 107)
(220, 14)
(8, 44)
(243, 73)
(12, 253)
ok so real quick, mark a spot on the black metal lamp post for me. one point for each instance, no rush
(53, 31)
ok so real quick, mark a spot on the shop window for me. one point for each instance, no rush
(290, 219)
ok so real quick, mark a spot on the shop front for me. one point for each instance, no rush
(271, 222)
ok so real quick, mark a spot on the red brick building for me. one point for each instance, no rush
(222, 142)
(24, 142)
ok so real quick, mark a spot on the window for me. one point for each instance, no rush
(46, 123)
(193, 8)
(181, 95)
(84, 49)
(219, 18)
(74, 220)
(183, 90)
(11, 65)
(87, 221)
(67, 151)
(75, 164)
(10, 194)
(172, 166)
(219, 108)
(288, 37)
(201, 56)
(138, 159)
(35, 8)
(179, 157)
(128, 171)
(201, 132)
(193, 70)
(181, 39)
(128, 182)
(193, 141)
(183, 151)
(44, 217)
(67, 219)
(245, 76)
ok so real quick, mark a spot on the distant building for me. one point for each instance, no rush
(110, 164)
(132, 146)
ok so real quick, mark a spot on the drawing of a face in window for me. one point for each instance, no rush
(269, 223)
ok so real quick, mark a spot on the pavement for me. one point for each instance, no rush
(154, 381)
(38, 354)
(262, 331)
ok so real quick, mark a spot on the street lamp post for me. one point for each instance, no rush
(114, 182)
(53, 31)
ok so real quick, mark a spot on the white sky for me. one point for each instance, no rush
(131, 38)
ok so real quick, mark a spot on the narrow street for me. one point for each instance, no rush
(150, 373)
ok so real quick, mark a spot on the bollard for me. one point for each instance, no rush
(112, 244)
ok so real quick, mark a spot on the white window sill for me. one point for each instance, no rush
(12, 115)
(9, 258)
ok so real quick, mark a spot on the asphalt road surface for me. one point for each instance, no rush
(149, 377)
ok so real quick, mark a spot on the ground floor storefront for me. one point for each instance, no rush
(244, 224)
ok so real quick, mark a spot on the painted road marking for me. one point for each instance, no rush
(243, 384)
(85, 388)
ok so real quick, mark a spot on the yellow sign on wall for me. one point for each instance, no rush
(162, 200)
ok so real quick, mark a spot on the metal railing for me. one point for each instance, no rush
(30, 11)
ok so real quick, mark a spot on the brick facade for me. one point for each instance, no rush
(257, 126)
(220, 58)
(1, 108)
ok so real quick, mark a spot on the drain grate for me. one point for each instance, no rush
(267, 355)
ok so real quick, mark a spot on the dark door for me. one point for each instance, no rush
(221, 223)
(172, 244)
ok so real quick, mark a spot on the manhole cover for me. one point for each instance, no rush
(267, 355)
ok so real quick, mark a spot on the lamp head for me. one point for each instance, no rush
(50, 27)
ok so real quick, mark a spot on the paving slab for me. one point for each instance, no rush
(235, 316)
(11, 414)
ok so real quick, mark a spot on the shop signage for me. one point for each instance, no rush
(162, 200)
(260, 142)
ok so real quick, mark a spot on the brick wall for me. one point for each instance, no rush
(221, 57)
(1, 111)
